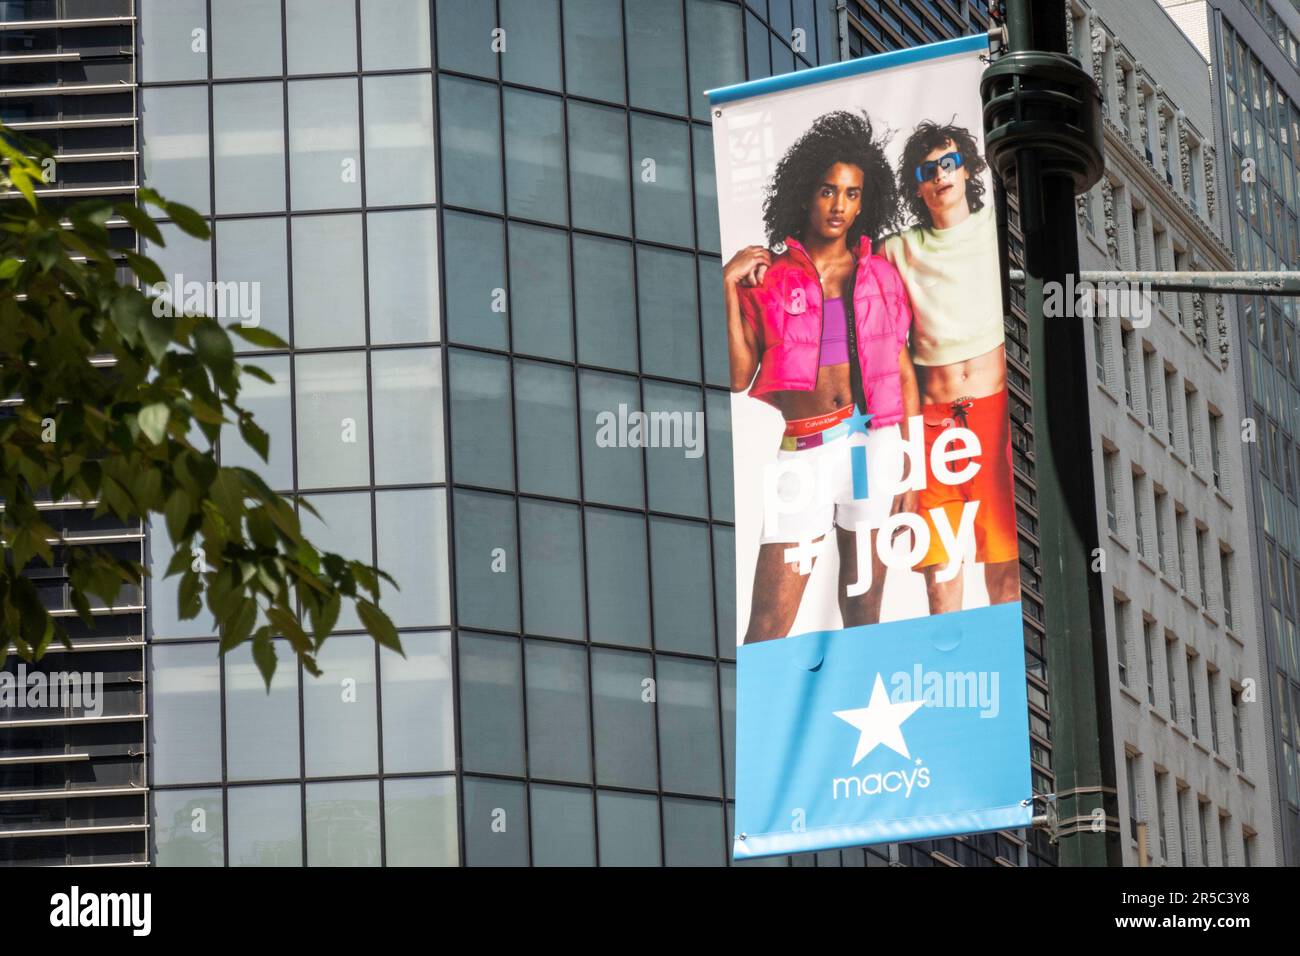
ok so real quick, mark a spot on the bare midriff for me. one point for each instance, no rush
(831, 393)
(974, 378)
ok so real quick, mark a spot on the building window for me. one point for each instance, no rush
(1110, 464)
(1130, 774)
(1225, 576)
(1171, 389)
(1126, 348)
(1180, 800)
(1148, 651)
(1139, 512)
(1099, 347)
(1162, 549)
(1223, 840)
(1237, 746)
(1180, 554)
(1171, 659)
(1150, 364)
(1200, 567)
(1247, 847)
(1189, 404)
(1193, 710)
(1121, 639)
(1212, 685)
(1216, 435)
(1162, 818)
(1203, 826)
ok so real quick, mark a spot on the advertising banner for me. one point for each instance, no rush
(880, 667)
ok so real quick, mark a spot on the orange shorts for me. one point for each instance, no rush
(992, 486)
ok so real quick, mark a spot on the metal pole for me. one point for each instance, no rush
(1082, 743)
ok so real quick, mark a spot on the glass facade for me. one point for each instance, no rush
(1262, 122)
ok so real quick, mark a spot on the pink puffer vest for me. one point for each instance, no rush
(786, 312)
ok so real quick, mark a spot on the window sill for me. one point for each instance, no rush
(1177, 456)
(1177, 727)
(1105, 390)
(1137, 420)
(1196, 473)
(1190, 601)
(1211, 619)
(1164, 579)
(1218, 493)
(1218, 759)
(1196, 742)
(1133, 698)
(1117, 540)
(1142, 560)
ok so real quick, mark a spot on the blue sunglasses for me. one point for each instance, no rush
(928, 170)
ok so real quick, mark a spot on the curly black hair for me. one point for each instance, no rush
(839, 137)
(925, 139)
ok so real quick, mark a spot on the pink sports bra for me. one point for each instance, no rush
(835, 334)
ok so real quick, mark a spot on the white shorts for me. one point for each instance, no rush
(831, 501)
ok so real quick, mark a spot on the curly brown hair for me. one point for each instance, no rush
(925, 139)
(838, 137)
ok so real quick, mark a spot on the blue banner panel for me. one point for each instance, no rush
(907, 730)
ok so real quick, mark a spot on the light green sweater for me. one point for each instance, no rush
(952, 278)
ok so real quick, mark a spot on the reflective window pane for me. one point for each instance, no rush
(598, 168)
(270, 407)
(418, 717)
(718, 446)
(322, 35)
(535, 180)
(411, 528)
(629, 828)
(559, 739)
(474, 248)
(171, 40)
(181, 254)
(402, 255)
(420, 826)
(487, 571)
(624, 719)
(542, 303)
(251, 752)
(693, 833)
(727, 674)
(675, 471)
(689, 751)
(470, 131)
(399, 139)
(324, 144)
(188, 828)
(496, 823)
(465, 37)
(164, 615)
(706, 191)
(683, 590)
(547, 432)
(713, 319)
(563, 827)
(661, 157)
(343, 823)
(333, 422)
(174, 144)
(618, 590)
(551, 541)
(656, 56)
(716, 60)
(248, 130)
(246, 38)
(670, 336)
(593, 49)
(265, 825)
(491, 704)
(724, 572)
(605, 302)
(185, 732)
(328, 289)
(339, 713)
(532, 55)
(395, 35)
(252, 252)
(343, 528)
(407, 385)
(481, 439)
(611, 466)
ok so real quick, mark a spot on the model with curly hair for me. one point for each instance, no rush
(949, 262)
(789, 311)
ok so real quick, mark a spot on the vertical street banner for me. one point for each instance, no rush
(880, 664)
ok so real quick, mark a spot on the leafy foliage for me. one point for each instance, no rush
(113, 393)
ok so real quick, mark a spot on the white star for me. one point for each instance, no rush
(880, 722)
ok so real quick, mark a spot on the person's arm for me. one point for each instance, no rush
(746, 269)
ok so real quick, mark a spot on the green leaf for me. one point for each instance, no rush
(264, 657)
(379, 625)
(153, 421)
(127, 310)
(255, 437)
(190, 221)
(156, 330)
(9, 268)
(287, 625)
(236, 629)
(255, 335)
(261, 374)
(212, 345)
(144, 267)
(140, 221)
(178, 510)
